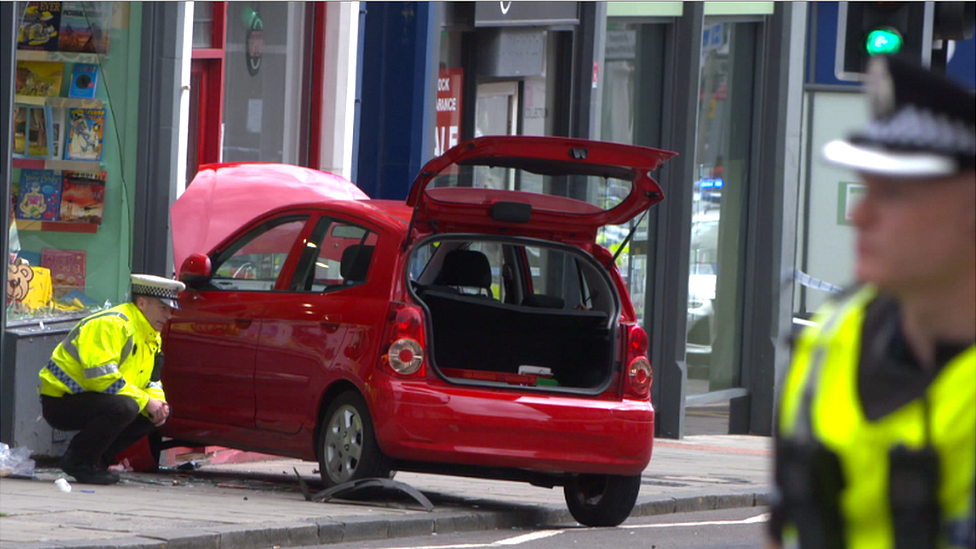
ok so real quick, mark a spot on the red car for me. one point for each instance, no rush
(475, 330)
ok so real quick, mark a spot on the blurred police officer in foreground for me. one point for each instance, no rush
(103, 379)
(876, 444)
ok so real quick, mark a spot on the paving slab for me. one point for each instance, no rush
(259, 504)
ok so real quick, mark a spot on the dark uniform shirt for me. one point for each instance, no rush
(889, 375)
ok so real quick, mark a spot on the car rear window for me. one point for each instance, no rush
(592, 193)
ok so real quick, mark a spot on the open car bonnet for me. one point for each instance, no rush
(548, 187)
(224, 197)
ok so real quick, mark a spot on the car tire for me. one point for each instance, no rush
(347, 445)
(601, 500)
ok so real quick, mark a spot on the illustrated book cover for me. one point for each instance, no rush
(68, 268)
(85, 130)
(37, 131)
(39, 78)
(39, 26)
(39, 195)
(85, 26)
(20, 130)
(58, 133)
(84, 81)
(82, 197)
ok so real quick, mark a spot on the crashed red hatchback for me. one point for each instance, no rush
(475, 330)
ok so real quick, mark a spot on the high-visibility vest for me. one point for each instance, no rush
(111, 352)
(837, 421)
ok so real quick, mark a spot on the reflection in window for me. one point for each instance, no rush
(722, 154)
(336, 255)
(255, 261)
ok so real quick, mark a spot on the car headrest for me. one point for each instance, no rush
(355, 262)
(468, 268)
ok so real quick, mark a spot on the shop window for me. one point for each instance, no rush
(722, 155)
(631, 112)
(264, 72)
(72, 184)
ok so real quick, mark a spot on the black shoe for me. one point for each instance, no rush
(88, 474)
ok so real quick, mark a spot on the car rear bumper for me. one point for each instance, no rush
(434, 421)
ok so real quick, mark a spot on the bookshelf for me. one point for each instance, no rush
(56, 102)
(63, 56)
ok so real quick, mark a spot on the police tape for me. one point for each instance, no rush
(815, 283)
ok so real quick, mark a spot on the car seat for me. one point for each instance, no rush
(466, 269)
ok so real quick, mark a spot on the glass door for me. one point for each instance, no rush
(722, 155)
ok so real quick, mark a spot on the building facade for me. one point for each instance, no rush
(372, 90)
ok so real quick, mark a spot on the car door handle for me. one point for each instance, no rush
(243, 322)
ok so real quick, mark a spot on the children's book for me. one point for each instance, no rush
(84, 80)
(40, 138)
(39, 195)
(68, 268)
(39, 78)
(58, 133)
(85, 26)
(20, 130)
(85, 130)
(82, 197)
(39, 26)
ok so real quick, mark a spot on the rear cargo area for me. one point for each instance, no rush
(503, 332)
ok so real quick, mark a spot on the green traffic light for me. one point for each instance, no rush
(883, 42)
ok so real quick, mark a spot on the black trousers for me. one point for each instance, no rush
(106, 424)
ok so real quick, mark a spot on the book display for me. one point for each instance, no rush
(39, 78)
(84, 81)
(39, 195)
(40, 26)
(82, 197)
(59, 122)
(85, 130)
(84, 26)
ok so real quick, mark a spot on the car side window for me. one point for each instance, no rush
(338, 254)
(555, 274)
(254, 262)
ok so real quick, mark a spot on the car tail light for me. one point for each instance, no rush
(640, 375)
(404, 349)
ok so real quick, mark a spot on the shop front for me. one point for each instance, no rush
(107, 129)
(73, 185)
(688, 77)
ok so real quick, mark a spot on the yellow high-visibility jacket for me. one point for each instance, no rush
(838, 422)
(112, 352)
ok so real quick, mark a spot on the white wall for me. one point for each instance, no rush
(830, 246)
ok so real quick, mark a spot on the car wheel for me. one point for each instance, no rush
(347, 446)
(601, 500)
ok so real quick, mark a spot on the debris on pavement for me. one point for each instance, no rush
(354, 488)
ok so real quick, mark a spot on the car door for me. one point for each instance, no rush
(212, 341)
(315, 323)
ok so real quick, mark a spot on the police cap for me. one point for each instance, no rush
(922, 126)
(164, 289)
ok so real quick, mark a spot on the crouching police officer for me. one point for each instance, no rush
(876, 442)
(103, 379)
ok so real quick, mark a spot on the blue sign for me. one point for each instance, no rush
(711, 183)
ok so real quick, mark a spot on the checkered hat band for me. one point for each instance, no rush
(154, 291)
(914, 129)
